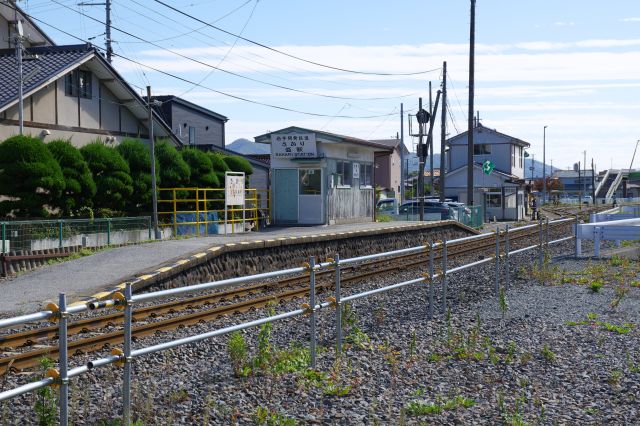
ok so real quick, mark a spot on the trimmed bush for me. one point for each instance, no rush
(174, 171)
(238, 164)
(30, 176)
(202, 173)
(111, 175)
(138, 156)
(79, 185)
(219, 166)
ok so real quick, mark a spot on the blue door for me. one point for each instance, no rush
(285, 199)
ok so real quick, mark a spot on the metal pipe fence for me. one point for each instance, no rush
(60, 377)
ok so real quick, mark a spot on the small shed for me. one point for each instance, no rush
(321, 178)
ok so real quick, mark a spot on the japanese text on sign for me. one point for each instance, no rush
(234, 189)
(293, 145)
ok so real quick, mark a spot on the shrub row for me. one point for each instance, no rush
(58, 179)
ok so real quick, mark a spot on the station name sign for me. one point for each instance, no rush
(293, 145)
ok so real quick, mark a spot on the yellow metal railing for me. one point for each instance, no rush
(202, 202)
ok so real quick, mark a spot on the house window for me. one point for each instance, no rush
(366, 175)
(192, 135)
(494, 199)
(78, 83)
(344, 173)
(481, 149)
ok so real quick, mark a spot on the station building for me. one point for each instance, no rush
(321, 178)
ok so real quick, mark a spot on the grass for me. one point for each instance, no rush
(548, 354)
(418, 408)
(592, 320)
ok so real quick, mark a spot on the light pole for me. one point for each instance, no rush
(544, 165)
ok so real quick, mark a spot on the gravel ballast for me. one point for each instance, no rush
(547, 356)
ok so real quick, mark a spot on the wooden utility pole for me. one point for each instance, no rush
(472, 40)
(443, 129)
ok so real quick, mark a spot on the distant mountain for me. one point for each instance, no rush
(246, 147)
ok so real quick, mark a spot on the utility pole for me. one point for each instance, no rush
(19, 39)
(472, 40)
(544, 164)
(420, 189)
(107, 31)
(533, 160)
(443, 129)
(593, 183)
(402, 169)
(154, 190)
(430, 142)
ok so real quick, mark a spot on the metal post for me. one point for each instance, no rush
(444, 276)
(312, 303)
(506, 258)
(149, 226)
(338, 307)
(4, 237)
(60, 233)
(540, 246)
(496, 286)
(430, 313)
(109, 231)
(63, 360)
(546, 234)
(578, 241)
(596, 241)
(126, 381)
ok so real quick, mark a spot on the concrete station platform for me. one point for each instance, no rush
(96, 276)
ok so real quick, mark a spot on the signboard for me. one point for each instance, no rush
(487, 167)
(293, 145)
(356, 170)
(234, 189)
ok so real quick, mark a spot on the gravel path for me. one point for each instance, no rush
(548, 359)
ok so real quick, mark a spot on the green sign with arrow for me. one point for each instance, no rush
(487, 167)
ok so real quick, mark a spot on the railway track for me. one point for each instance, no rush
(261, 294)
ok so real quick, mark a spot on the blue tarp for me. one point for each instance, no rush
(210, 228)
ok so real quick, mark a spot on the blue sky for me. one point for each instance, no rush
(571, 65)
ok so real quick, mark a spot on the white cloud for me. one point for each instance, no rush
(630, 20)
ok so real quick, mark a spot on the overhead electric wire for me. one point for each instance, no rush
(273, 49)
(450, 81)
(279, 86)
(240, 98)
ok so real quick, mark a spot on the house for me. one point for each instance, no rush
(72, 93)
(320, 177)
(501, 192)
(572, 183)
(34, 36)
(388, 167)
(192, 124)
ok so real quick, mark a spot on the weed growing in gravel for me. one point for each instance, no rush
(502, 302)
(237, 350)
(177, 396)
(512, 417)
(511, 352)
(592, 321)
(621, 291)
(117, 422)
(618, 261)
(596, 285)
(265, 417)
(614, 377)
(353, 333)
(45, 407)
(525, 358)
(418, 408)
(548, 354)
(413, 345)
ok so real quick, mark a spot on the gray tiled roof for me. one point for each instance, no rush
(52, 60)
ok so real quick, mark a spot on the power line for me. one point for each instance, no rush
(279, 86)
(240, 98)
(288, 54)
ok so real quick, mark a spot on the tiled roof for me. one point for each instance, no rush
(52, 60)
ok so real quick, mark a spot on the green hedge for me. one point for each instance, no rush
(41, 180)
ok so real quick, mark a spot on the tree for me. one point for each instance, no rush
(30, 177)
(202, 173)
(174, 171)
(138, 157)
(79, 185)
(111, 175)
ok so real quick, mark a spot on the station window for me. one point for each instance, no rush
(344, 170)
(310, 181)
(481, 149)
(78, 83)
(494, 199)
(366, 175)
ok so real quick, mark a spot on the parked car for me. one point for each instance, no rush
(387, 206)
(430, 207)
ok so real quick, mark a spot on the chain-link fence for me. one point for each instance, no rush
(50, 234)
